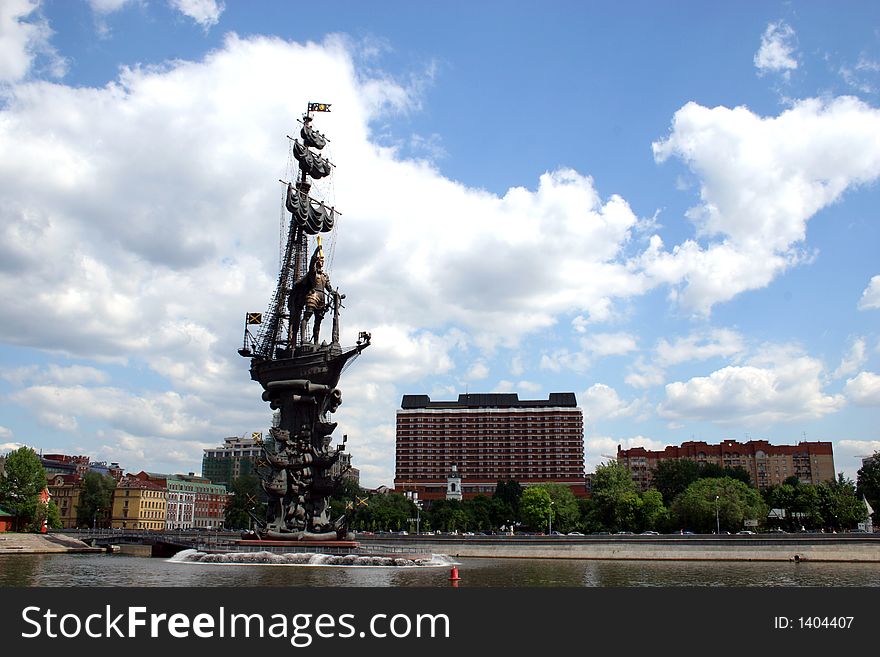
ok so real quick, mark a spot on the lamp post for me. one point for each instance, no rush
(717, 517)
(550, 520)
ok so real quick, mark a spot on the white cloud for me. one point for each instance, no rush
(517, 386)
(776, 53)
(700, 346)
(109, 6)
(601, 402)
(645, 375)
(5, 433)
(871, 296)
(778, 385)
(53, 373)
(762, 179)
(858, 448)
(609, 344)
(863, 389)
(147, 415)
(25, 37)
(853, 360)
(477, 371)
(204, 12)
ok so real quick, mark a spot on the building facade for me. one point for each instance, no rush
(192, 502)
(65, 490)
(767, 465)
(488, 438)
(139, 504)
(236, 457)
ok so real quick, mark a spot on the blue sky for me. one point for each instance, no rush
(668, 208)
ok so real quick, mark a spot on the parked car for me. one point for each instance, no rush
(575, 534)
(745, 532)
(650, 533)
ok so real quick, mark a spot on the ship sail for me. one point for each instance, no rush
(313, 164)
(311, 216)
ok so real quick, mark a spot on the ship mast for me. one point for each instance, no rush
(279, 334)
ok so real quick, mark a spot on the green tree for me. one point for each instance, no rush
(841, 508)
(535, 507)
(716, 471)
(510, 492)
(479, 511)
(447, 515)
(673, 476)
(735, 502)
(50, 513)
(566, 515)
(21, 485)
(390, 511)
(616, 497)
(868, 481)
(652, 513)
(245, 495)
(801, 503)
(347, 492)
(95, 500)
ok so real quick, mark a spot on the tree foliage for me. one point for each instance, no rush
(735, 502)
(841, 508)
(48, 512)
(535, 508)
(95, 500)
(245, 495)
(21, 485)
(673, 476)
(616, 497)
(868, 481)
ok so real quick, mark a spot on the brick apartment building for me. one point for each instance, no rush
(767, 465)
(489, 438)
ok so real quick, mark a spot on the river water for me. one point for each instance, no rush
(46, 570)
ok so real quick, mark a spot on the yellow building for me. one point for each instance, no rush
(65, 489)
(139, 504)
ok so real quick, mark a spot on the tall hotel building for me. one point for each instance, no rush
(488, 438)
(767, 465)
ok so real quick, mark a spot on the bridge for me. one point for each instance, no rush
(164, 543)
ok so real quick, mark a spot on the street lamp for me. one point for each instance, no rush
(717, 517)
(550, 520)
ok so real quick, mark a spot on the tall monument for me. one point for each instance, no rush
(298, 370)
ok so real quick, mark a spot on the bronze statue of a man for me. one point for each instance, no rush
(310, 296)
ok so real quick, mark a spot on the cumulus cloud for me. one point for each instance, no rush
(853, 359)
(204, 12)
(762, 179)
(52, 373)
(777, 385)
(601, 402)
(700, 346)
(25, 37)
(871, 296)
(5, 433)
(166, 414)
(864, 389)
(776, 53)
(477, 371)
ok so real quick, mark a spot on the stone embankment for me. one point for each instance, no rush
(41, 544)
(792, 547)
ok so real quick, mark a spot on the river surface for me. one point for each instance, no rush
(117, 570)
